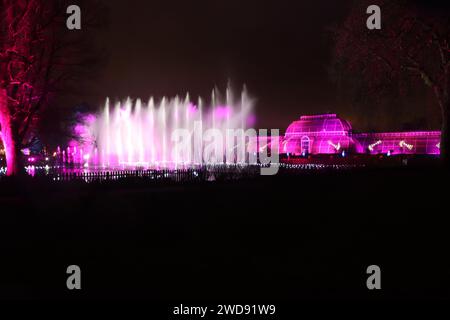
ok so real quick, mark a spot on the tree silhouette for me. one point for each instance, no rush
(39, 60)
(411, 47)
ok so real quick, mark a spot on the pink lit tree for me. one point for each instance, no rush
(40, 59)
(412, 48)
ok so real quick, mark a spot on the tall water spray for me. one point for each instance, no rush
(138, 134)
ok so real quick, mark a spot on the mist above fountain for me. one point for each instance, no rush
(132, 134)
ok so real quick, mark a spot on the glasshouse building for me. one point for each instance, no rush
(329, 134)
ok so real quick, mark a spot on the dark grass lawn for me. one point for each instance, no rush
(308, 236)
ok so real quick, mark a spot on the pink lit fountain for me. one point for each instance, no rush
(133, 134)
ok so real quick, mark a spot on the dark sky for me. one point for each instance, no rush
(280, 49)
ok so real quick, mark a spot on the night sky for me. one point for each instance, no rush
(280, 49)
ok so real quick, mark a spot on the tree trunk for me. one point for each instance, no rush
(9, 136)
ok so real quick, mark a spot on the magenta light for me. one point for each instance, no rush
(223, 112)
(79, 129)
(192, 108)
(251, 121)
(319, 116)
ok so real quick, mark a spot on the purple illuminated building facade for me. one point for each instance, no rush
(329, 134)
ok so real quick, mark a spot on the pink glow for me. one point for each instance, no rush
(223, 112)
(192, 108)
(251, 121)
(79, 129)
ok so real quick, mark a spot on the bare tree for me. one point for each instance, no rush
(39, 60)
(413, 44)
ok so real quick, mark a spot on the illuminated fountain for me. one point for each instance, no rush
(134, 134)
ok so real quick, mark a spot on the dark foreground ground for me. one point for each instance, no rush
(282, 238)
